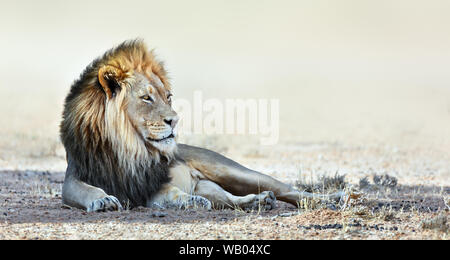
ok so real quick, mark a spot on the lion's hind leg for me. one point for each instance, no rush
(295, 196)
(239, 180)
(221, 198)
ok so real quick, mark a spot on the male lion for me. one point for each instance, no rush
(118, 130)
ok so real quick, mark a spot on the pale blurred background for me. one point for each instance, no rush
(350, 71)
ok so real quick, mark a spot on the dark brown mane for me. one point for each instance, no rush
(93, 131)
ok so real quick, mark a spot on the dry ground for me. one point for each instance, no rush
(360, 133)
(410, 203)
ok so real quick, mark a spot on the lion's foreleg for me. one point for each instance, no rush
(76, 193)
(172, 196)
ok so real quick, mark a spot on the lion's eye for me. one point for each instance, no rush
(147, 99)
(169, 97)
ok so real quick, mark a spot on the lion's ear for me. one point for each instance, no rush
(110, 78)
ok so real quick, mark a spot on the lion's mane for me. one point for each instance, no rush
(101, 142)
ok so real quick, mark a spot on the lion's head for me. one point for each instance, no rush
(118, 124)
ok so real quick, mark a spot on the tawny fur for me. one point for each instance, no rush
(100, 139)
(111, 151)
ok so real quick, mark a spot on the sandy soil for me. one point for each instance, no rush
(413, 206)
(360, 131)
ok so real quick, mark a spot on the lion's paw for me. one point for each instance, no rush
(197, 201)
(108, 203)
(185, 202)
(266, 200)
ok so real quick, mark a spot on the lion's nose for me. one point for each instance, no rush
(172, 121)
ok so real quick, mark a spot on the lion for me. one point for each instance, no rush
(119, 132)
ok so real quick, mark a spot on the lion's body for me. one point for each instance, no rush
(114, 160)
(118, 130)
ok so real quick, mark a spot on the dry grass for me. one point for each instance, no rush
(30, 207)
(401, 173)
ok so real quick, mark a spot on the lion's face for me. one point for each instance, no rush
(122, 103)
(149, 108)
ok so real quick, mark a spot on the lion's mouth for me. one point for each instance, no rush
(162, 139)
